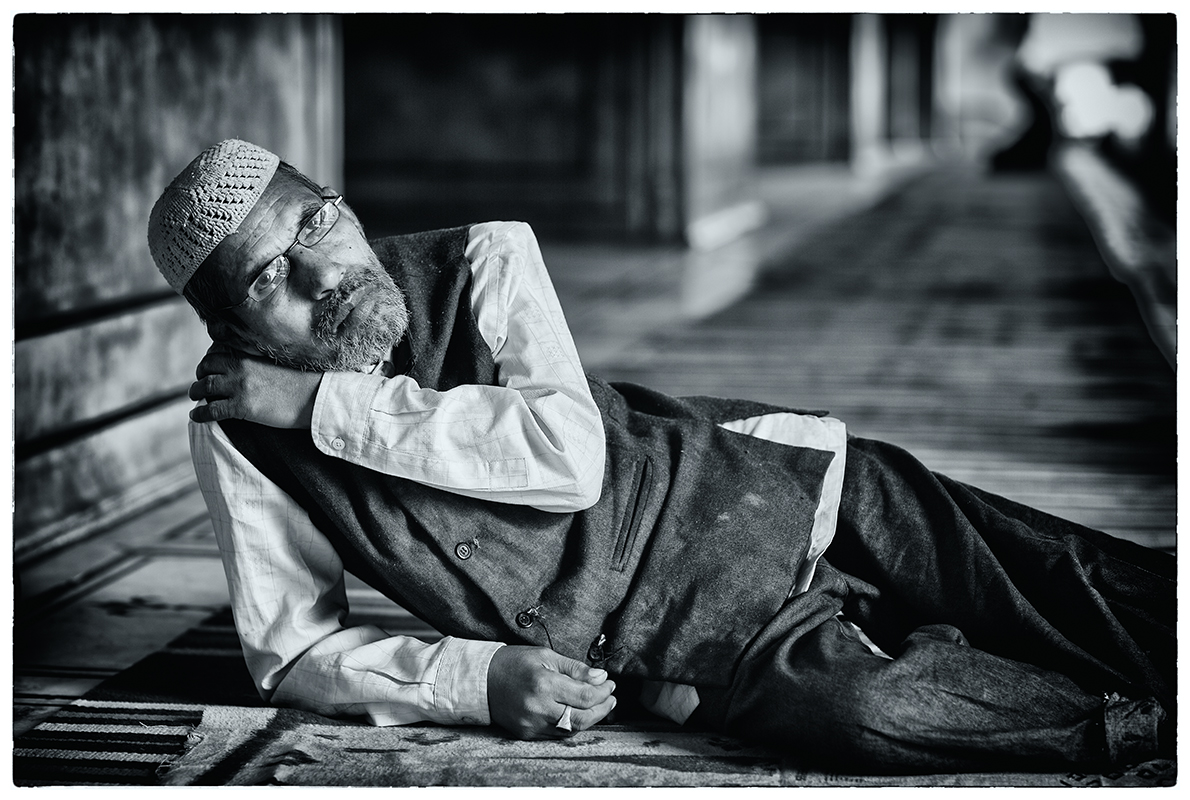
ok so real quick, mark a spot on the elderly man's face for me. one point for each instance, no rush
(337, 310)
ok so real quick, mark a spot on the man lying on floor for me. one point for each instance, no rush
(421, 419)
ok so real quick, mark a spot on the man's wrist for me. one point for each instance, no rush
(461, 686)
(341, 412)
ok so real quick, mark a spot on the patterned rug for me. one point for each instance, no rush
(188, 715)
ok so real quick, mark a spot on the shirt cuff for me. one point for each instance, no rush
(461, 687)
(342, 408)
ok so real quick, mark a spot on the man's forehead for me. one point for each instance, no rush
(285, 198)
(270, 228)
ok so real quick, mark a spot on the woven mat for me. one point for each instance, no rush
(188, 715)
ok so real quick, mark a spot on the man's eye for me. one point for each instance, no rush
(268, 280)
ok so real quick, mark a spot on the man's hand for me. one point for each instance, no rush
(240, 386)
(530, 687)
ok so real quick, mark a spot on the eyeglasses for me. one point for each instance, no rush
(313, 232)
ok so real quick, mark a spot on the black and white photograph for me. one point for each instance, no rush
(612, 397)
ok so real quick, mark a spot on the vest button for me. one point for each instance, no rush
(597, 653)
(524, 620)
(463, 550)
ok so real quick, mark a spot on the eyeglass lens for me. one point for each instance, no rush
(313, 232)
(270, 279)
(320, 224)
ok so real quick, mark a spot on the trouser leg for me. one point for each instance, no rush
(1017, 582)
(818, 692)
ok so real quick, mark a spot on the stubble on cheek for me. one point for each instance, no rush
(359, 341)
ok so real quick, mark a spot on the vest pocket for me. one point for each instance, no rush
(633, 512)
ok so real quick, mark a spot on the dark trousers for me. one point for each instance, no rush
(1019, 640)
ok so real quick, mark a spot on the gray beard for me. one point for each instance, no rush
(363, 342)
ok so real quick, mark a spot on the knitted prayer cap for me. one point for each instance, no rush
(204, 204)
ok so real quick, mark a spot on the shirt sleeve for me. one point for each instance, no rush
(289, 601)
(536, 439)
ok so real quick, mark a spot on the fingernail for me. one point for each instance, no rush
(597, 673)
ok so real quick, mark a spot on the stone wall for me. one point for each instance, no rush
(107, 110)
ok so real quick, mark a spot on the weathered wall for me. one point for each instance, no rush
(804, 87)
(571, 122)
(108, 109)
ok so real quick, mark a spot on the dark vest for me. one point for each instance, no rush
(691, 549)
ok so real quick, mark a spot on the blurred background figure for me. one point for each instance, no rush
(884, 215)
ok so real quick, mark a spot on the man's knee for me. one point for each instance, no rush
(818, 690)
(899, 698)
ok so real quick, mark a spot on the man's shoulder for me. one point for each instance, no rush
(422, 252)
(497, 231)
(464, 244)
(501, 238)
(423, 234)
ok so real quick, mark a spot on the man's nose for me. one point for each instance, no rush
(320, 276)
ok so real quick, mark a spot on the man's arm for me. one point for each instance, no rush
(288, 598)
(536, 439)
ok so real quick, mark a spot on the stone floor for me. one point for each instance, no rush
(967, 317)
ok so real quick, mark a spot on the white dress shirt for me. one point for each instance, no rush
(537, 439)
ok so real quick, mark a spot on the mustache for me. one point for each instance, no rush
(343, 341)
(326, 322)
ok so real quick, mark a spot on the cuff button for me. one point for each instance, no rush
(338, 443)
